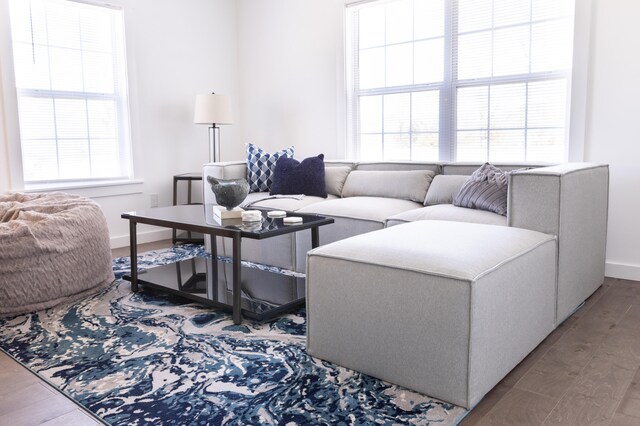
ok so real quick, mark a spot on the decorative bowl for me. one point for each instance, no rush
(229, 192)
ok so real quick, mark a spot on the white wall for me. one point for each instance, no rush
(281, 61)
(291, 76)
(613, 125)
(291, 68)
(5, 180)
(175, 51)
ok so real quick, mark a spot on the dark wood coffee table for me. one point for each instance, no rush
(199, 218)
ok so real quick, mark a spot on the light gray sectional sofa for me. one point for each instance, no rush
(516, 276)
(568, 200)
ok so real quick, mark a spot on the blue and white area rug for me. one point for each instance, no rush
(146, 358)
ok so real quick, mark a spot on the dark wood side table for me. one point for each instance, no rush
(189, 178)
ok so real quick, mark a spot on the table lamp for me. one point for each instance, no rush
(213, 110)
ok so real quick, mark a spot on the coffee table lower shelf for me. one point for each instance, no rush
(169, 279)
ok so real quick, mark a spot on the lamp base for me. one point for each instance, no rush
(222, 213)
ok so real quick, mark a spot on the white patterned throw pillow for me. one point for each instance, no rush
(261, 165)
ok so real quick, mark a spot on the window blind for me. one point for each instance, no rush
(69, 61)
(466, 80)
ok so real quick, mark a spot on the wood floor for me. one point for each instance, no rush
(586, 372)
(27, 400)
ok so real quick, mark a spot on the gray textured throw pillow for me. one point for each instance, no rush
(334, 177)
(409, 185)
(443, 189)
(486, 189)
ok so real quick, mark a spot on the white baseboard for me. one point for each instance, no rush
(142, 237)
(621, 270)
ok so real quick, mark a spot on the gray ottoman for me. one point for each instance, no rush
(443, 308)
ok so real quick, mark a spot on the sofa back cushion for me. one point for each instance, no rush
(409, 185)
(465, 168)
(334, 178)
(398, 166)
(444, 188)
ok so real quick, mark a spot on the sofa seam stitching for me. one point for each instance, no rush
(346, 259)
(552, 238)
(423, 272)
(469, 346)
(532, 172)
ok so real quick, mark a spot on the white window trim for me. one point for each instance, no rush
(579, 81)
(112, 189)
(9, 117)
(577, 104)
(10, 98)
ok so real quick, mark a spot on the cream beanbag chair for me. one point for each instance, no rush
(53, 247)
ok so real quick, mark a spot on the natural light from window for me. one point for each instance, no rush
(465, 80)
(69, 62)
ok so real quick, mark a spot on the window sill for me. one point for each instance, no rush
(92, 189)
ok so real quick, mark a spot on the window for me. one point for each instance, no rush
(463, 80)
(69, 62)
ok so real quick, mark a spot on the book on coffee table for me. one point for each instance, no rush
(222, 213)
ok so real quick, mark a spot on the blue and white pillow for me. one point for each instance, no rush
(261, 166)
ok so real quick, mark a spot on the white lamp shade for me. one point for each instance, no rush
(212, 109)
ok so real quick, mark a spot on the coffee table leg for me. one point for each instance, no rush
(237, 285)
(212, 279)
(175, 203)
(315, 237)
(133, 253)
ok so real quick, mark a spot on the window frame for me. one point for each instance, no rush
(90, 187)
(577, 82)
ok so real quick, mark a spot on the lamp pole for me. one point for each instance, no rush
(214, 147)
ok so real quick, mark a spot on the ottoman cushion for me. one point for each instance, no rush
(444, 308)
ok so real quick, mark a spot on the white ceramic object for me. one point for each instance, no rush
(251, 216)
(292, 220)
(277, 213)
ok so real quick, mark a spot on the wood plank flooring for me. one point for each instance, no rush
(586, 372)
(25, 400)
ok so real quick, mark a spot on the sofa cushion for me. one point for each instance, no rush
(450, 213)
(261, 165)
(263, 200)
(486, 189)
(375, 209)
(444, 188)
(408, 185)
(334, 178)
(399, 165)
(466, 168)
(447, 309)
(294, 177)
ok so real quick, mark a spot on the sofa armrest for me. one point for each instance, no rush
(223, 170)
(539, 199)
(570, 201)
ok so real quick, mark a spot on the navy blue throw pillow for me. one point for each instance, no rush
(294, 177)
